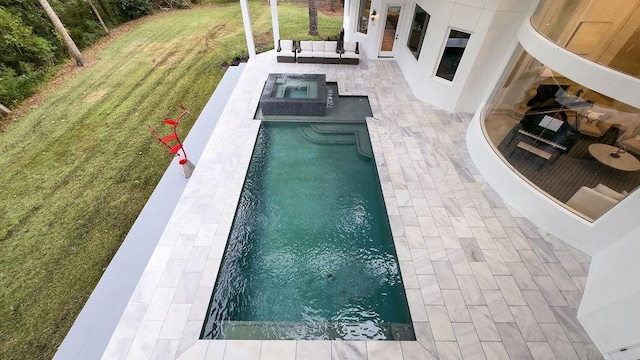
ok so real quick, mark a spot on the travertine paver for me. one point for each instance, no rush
(482, 281)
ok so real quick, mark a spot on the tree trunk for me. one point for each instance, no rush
(105, 9)
(4, 110)
(68, 41)
(95, 11)
(332, 5)
(313, 18)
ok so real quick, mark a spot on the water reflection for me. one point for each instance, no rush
(310, 254)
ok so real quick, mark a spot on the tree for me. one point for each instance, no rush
(95, 11)
(313, 18)
(20, 46)
(68, 41)
(4, 110)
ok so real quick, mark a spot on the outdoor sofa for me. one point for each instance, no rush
(318, 52)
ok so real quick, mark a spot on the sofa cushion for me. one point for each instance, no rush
(306, 46)
(330, 46)
(350, 46)
(318, 46)
(590, 203)
(286, 45)
(632, 144)
(331, 55)
(595, 128)
(350, 55)
(605, 190)
(592, 115)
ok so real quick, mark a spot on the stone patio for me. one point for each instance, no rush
(482, 282)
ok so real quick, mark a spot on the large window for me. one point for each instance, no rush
(363, 15)
(576, 145)
(418, 31)
(452, 54)
(604, 31)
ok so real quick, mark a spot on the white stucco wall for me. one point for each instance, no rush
(491, 23)
(610, 307)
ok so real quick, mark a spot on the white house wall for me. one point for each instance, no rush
(610, 307)
(609, 311)
(491, 23)
(486, 69)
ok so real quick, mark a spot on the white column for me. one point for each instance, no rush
(248, 33)
(347, 19)
(274, 22)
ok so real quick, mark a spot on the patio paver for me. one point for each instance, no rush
(484, 282)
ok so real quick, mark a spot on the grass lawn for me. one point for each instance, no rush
(79, 165)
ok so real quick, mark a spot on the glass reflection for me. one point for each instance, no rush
(418, 31)
(604, 31)
(363, 16)
(452, 54)
(576, 145)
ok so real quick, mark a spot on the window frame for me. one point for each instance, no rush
(444, 50)
(423, 32)
(362, 20)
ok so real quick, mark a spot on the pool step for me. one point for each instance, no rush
(345, 134)
(261, 330)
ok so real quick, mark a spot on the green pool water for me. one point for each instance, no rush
(310, 254)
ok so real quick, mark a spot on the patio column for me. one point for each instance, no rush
(274, 22)
(346, 19)
(248, 33)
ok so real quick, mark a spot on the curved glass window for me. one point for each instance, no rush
(604, 31)
(579, 147)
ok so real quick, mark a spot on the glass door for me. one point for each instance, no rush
(390, 34)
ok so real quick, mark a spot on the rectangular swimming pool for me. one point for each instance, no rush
(310, 254)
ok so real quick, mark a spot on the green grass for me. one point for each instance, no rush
(78, 168)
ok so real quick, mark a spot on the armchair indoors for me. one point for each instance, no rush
(593, 202)
(631, 143)
(592, 124)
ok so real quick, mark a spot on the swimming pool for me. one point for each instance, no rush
(310, 254)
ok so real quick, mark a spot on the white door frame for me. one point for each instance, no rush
(383, 22)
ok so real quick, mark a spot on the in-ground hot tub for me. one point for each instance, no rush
(294, 94)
